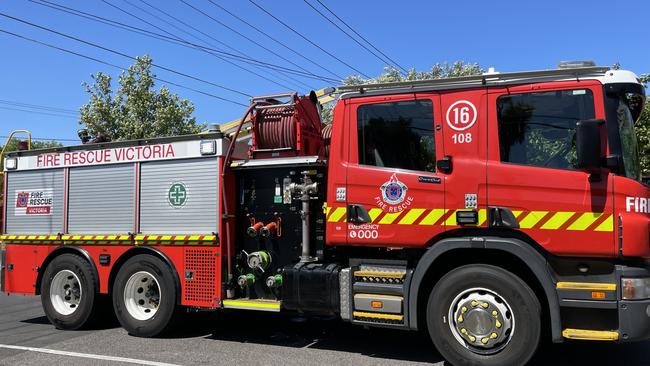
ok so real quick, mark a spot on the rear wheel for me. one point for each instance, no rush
(482, 314)
(68, 292)
(144, 296)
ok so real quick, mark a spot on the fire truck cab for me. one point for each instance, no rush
(488, 210)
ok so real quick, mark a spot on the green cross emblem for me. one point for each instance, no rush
(177, 194)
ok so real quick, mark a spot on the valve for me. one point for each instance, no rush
(254, 230)
(259, 260)
(274, 281)
(268, 230)
(246, 280)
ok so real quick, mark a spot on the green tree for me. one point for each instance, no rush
(391, 74)
(642, 128)
(136, 110)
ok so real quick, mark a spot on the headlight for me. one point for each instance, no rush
(635, 288)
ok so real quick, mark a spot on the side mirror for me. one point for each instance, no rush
(588, 146)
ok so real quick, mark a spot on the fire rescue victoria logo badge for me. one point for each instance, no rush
(393, 191)
(177, 195)
(393, 196)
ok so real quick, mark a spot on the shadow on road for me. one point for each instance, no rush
(390, 344)
(313, 332)
(333, 334)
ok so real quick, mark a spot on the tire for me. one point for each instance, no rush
(68, 292)
(457, 311)
(144, 296)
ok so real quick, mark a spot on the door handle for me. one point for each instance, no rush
(358, 214)
(444, 165)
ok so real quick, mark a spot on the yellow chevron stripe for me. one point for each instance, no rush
(433, 216)
(338, 213)
(531, 219)
(517, 213)
(411, 216)
(374, 214)
(326, 210)
(584, 221)
(557, 220)
(607, 225)
(451, 220)
(390, 217)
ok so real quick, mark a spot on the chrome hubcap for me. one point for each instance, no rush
(481, 320)
(142, 295)
(65, 292)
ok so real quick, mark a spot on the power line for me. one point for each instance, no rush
(276, 40)
(36, 112)
(176, 41)
(118, 67)
(36, 106)
(345, 32)
(360, 36)
(308, 40)
(181, 39)
(200, 40)
(123, 54)
(240, 34)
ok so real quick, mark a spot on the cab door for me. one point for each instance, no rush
(395, 196)
(532, 167)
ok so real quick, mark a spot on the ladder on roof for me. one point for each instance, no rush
(477, 79)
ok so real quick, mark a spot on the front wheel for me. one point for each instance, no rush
(482, 314)
(144, 296)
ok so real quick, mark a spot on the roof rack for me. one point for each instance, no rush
(483, 79)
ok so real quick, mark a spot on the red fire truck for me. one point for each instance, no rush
(488, 210)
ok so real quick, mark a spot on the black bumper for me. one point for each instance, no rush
(633, 315)
(582, 309)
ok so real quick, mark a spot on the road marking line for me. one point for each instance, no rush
(87, 355)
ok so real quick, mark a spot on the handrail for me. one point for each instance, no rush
(4, 148)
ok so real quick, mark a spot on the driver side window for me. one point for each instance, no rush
(538, 129)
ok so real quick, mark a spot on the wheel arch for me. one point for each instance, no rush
(505, 252)
(148, 251)
(68, 249)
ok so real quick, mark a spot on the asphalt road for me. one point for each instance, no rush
(249, 338)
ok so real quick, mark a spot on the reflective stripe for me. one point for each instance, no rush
(584, 221)
(607, 225)
(389, 218)
(482, 216)
(363, 314)
(374, 214)
(411, 216)
(338, 213)
(557, 220)
(588, 286)
(531, 219)
(432, 217)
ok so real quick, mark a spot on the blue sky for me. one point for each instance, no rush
(508, 35)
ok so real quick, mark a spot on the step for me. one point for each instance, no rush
(590, 335)
(252, 304)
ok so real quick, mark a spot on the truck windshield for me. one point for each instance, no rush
(629, 147)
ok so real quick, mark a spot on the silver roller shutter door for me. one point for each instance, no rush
(101, 199)
(196, 214)
(31, 181)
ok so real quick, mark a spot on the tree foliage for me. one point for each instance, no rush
(437, 71)
(642, 128)
(136, 110)
(391, 74)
